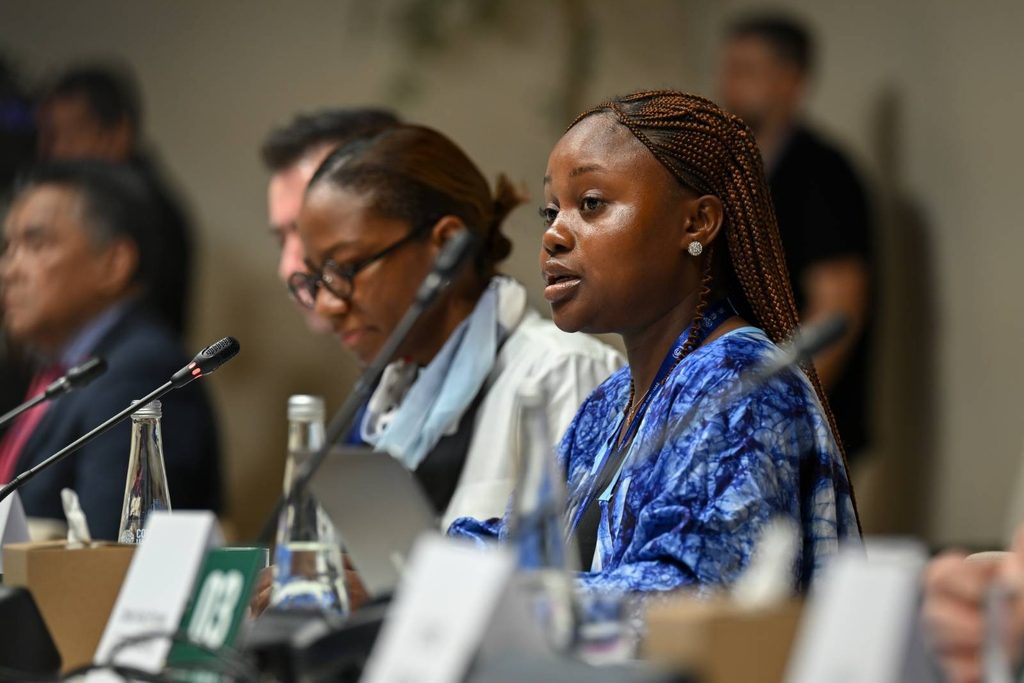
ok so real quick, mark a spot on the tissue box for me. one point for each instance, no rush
(74, 588)
(721, 642)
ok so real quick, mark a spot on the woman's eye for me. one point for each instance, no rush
(591, 204)
(549, 214)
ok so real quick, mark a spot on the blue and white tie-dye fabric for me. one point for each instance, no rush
(689, 513)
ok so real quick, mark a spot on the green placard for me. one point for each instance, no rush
(217, 607)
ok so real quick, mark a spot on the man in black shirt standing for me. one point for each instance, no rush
(820, 202)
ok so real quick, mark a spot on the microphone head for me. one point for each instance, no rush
(819, 336)
(82, 374)
(216, 354)
(207, 361)
(76, 377)
(455, 252)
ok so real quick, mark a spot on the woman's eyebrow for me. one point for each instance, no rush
(578, 171)
(335, 247)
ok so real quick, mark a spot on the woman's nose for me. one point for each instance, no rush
(328, 305)
(558, 238)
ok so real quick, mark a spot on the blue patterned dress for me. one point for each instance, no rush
(690, 513)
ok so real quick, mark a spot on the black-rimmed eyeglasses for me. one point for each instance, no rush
(336, 278)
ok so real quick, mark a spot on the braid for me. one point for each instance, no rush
(714, 152)
(703, 299)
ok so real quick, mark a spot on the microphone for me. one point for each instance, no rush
(205, 362)
(806, 344)
(801, 347)
(453, 256)
(75, 378)
(447, 264)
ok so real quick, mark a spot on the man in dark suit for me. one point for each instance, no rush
(95, 112)
(74, 274)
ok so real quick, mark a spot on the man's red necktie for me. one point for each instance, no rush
(21, 430)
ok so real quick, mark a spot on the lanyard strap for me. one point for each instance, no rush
(588, 518)
(713, 318)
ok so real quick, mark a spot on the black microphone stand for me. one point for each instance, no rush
(75, 378)
(205, 363)
(25, 476)
(24, 407)
(801, 347)
(452, 257)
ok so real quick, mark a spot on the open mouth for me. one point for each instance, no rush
(560, 286)
(560, 281)
(557, 279)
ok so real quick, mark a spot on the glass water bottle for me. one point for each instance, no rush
(537, 527)
(308, 570)
(145, 490)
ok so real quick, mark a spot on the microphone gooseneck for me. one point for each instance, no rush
(455, 253)
(205, 362)
(75, 378)
(801, 347)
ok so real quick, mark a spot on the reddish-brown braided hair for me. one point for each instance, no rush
(713, 152)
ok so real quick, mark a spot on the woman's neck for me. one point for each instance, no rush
(440, 324)
(646, 348)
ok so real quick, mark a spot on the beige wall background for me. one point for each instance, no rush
(925, 95)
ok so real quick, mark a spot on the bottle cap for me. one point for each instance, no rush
(306, 408)
(151, 409)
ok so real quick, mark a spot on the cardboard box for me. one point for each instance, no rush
(721, 642)
(75, 590)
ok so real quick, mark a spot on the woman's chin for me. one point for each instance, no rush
(569, 318)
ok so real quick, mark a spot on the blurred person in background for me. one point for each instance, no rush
(292, 153)
(17, 151)
(821, 205)
(375, 216)
(958, 592)
(17, 128)
(95, 112)
(78, 243)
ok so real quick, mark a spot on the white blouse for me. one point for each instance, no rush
(567, 366)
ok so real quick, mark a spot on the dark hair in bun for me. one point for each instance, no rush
(416, 174)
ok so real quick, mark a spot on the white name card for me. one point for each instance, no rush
(13, 525)
(442, 608)
(156, 589)
(861, 623)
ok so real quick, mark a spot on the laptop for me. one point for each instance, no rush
(378, 508)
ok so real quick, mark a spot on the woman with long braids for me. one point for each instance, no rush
(660, 228)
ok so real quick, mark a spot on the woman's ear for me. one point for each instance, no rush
(704, 220)
(445, 229)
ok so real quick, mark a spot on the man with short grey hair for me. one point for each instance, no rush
(74, 274)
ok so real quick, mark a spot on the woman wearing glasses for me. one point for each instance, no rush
(376, 214)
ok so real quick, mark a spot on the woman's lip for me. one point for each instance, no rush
(351, 337)
(562, 289)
